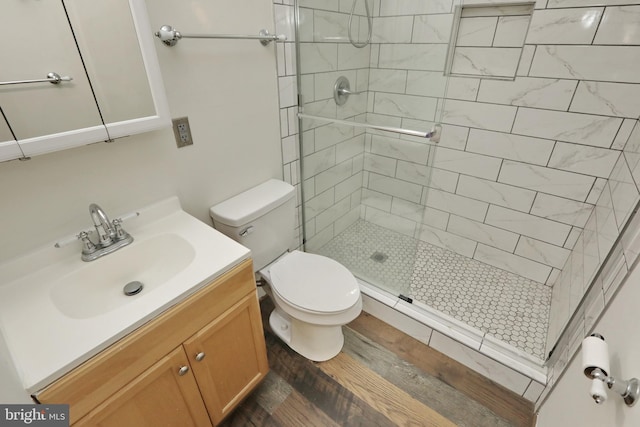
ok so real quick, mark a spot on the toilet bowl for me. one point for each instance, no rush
(314, 296)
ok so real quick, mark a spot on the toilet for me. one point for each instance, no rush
(314, 296)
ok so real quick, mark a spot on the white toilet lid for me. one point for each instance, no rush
(314, 282)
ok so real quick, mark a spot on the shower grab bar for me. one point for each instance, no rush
(169, 36)
(435, 132)
(53, 78)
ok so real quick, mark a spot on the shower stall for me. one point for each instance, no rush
(442, 164)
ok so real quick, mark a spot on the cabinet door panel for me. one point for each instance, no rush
(159, 396)
(235, 357)
(41, 41)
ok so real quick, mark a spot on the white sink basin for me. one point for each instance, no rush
(97, 287)
(57, 311)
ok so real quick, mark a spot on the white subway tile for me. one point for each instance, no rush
(333, 176)
(289, 149)
(376, 200)
(396, 29)
(427, 57)
(454, 137)
(330, 215)
(593, 161)
(459, 205)
(400, 149)
(619, 26)
(486, 366)
(463, 88)
(380, 164)
(442, 239)
(414, 7)
(395, 187)
(348, 186)
(605, 63)
(564, 26)
(485, 61)
(476, 31)
(426, 83)
(319, 203)
(478, 115)
(584, 3)
(284, 21)
(483, 233)
(624, 193)
(511, 31)
(329, 135)
(529, 92)
(560, 183)
(525, 60)
(388, 80)
(328, 25)
(529, 225)
(467, 163)
(428, 176)
(318, 162)
(596, 190)
(574, 235)
(513, 263)
(321, 4)
(598, 131)
(623, 134)
(416, 107)
(612, 99)
(408, 210)
(350, 57)
(349, 148)
(432, 28)
(562, 210)
(390, 221)
(496, 193)
(318, 57)
(288, 91)
(542, 252)
(509, 146)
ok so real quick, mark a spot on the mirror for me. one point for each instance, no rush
(106, 47)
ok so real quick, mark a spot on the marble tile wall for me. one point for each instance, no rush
(530, 174)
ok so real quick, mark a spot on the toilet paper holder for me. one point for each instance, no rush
(595, 362)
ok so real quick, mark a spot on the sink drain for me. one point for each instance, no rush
(132, 288)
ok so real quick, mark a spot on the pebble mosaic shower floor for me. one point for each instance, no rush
(502, 304)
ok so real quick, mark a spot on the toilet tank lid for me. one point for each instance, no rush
(253, 203)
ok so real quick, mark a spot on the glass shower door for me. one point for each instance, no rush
(371, 83)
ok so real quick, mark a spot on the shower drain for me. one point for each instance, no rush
(379, 257)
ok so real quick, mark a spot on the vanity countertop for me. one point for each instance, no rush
(44, 343)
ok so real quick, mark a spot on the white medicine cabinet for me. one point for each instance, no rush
(105, 47)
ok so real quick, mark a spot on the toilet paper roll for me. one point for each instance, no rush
(595, 354)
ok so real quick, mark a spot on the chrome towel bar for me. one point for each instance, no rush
(53, 78)
(170, 36)
(434, 134)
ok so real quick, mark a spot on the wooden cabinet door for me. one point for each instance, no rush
(229, 357)
(160, 396)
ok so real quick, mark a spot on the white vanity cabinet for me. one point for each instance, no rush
(106, 46)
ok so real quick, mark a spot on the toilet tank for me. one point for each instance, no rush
(261, 218)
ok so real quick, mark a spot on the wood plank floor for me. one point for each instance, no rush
(382, 377)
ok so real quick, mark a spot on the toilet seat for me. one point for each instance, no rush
(314, 283)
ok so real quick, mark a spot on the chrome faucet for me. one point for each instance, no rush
(111, 235)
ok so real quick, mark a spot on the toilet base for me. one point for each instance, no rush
(315, 342)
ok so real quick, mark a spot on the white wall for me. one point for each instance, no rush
(569, 403)
(227, 88)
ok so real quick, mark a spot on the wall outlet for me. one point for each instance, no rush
(182, 132)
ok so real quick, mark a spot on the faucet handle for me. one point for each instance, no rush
(120, 233)
(70, 239)
(88, 247)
